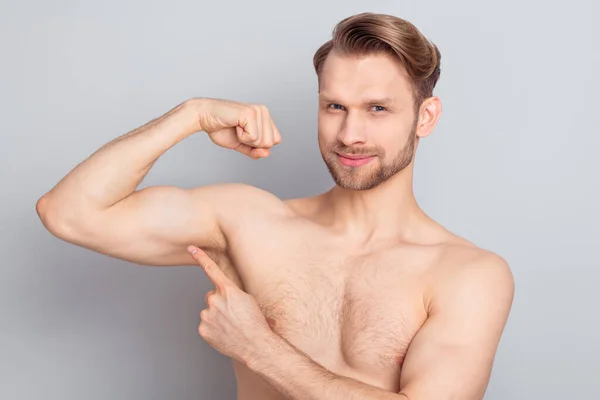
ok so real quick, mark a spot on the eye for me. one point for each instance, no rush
(379, 108)
(335, 106)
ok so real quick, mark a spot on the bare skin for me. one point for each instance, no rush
(353, 294)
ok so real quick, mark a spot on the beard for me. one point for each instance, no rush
(370, 175)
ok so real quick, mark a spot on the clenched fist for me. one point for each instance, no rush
(247, 128)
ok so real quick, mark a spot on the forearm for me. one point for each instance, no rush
(297, 376)
(116, 169)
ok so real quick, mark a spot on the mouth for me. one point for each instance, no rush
(354, 160)
(354, 156)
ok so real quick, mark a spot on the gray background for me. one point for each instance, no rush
(512, 166)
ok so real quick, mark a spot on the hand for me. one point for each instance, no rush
(232, 323)
(246, 128)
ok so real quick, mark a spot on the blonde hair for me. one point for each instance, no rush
(370, 34)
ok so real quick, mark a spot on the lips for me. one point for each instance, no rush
(354, 160)
(354, 156)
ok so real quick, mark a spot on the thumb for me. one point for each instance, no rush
(252, 152)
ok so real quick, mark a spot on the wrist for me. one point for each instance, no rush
(195, 108)
(264, 349)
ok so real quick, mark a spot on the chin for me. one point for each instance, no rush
(357, 186)
(359, 178)
(364, 180)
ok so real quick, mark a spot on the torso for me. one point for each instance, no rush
(354, 311)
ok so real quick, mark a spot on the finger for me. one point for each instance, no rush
(267, 129)
(208, 298)
(248, 132)
(204, 315)
(247, 150)
(203, 325)
(276, 134)
(258, 152)
(259, 122)
(211, 269)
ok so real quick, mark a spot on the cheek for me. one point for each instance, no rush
(328, 127)
(390, 135)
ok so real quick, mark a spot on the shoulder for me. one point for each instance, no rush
(472, 274)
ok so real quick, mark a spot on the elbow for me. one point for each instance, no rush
(42, 209)
(52, 218)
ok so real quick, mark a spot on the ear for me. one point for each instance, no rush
(429, 114)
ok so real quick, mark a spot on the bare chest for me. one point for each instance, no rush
(349, 316)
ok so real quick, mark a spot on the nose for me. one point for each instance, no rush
(352, 131)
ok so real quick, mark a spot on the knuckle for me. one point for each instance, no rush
(228, 291)
(211, 267)
(250, 113)
(210, 300)
(204, 315)
(203, 331)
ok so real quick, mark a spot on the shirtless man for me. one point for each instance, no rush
(351, 294)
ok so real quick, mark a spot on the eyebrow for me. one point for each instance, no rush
(367, 101)
(379, 100)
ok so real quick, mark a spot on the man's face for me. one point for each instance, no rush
(366, 119)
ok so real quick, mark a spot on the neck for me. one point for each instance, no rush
(388, 211)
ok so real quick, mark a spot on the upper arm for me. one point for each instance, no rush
(452, 355)
(154, 225)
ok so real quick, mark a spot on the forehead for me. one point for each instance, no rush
(359, 76)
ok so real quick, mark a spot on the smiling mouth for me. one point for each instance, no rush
(354, 160)
(354, 156)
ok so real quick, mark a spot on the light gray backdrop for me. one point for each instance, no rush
(512, 166)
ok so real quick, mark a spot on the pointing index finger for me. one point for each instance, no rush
(211, 269)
